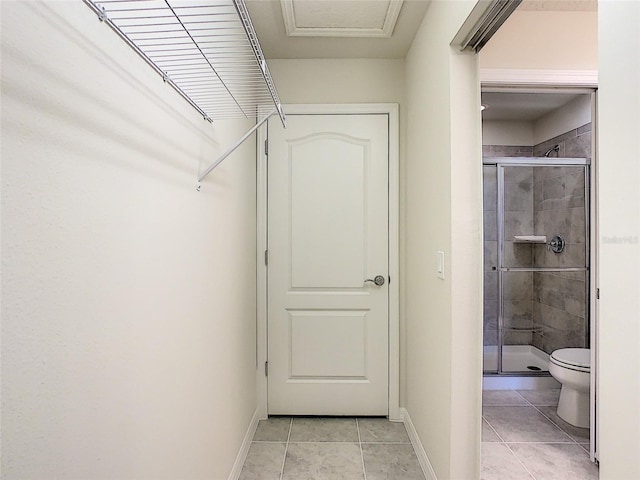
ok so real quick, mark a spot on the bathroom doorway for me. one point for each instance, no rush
(538, 183)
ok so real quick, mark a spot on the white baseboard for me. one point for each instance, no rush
(427, 468)
(244, 448)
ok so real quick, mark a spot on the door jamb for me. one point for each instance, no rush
(579, 82)
(392, 111)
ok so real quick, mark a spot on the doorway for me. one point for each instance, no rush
(322, 347)
(539, 175)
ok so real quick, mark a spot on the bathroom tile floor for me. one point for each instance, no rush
(523, 438)
(321, 448)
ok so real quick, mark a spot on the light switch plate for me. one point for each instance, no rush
(440, 264)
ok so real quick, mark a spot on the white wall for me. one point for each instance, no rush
(128, 298)
(619, 263)
(507, 132)
(339, 80)
(574, 114)
(444, 212)
(544, 40)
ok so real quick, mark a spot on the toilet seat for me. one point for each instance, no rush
(578, 359)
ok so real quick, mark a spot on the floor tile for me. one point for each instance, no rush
(381, 430)
(554, 461)
(323, 461)
(499, 463)
(391, 462)
(502, 397)
(275, 429)
(264, 462)
(580, 435)
(541, 397)
(324, 430)
(523, 424)
(488, 433)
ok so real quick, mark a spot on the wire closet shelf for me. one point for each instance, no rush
(207, 50)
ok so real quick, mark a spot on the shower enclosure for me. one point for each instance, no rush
(536, 261)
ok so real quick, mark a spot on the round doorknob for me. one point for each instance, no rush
(378, 280)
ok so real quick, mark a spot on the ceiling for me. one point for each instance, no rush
(383, 29)
(559, 5)
(354, 28)
(522, 106)
(336, 28)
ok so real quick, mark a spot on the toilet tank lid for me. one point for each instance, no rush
(580, 357)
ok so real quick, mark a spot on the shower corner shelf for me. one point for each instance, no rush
(208, 51)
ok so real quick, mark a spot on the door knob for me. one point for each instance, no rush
(378, 280)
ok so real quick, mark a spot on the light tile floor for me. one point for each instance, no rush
(321, 448)
(523, 438)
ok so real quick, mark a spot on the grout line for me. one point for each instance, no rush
(522, 396)
(557, 426)
(286, 448)
(364, 471)
(494, 430)
(520, 461)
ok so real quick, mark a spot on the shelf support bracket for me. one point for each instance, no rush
(220, 159)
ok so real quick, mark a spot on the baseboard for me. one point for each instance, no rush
(427, 468)
(244, 448)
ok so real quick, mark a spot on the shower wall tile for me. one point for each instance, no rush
(489, 188)
(507, 151)
(542, 173)
(490, 226)
(540, 149)
(518, 254)
(490, 336)
(517, 286)
(579, 146)
(577, 225)
(519, 175)
(584, 129)
(515, 337)
(490, 255)
(517, 223)
(555, 328)
(574, 255)
(519, 199)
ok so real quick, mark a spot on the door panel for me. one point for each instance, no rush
(327, 234)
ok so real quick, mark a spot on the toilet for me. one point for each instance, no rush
(572, 367)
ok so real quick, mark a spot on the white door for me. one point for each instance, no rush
(328, 208)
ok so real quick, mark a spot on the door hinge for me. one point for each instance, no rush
(266, 258)
(266, 147)
(266, 369)
(598, 293)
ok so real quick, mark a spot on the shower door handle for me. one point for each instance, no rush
(378, 280)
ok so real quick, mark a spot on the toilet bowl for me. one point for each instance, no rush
(572, 368)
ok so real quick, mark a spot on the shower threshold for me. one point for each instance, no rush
(519, 359)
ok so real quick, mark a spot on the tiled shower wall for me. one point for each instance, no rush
(544, 309)
(559, 298)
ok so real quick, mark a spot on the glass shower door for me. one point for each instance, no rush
(490, 310)
(542, 262)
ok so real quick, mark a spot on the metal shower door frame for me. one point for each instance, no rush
(501, 163)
